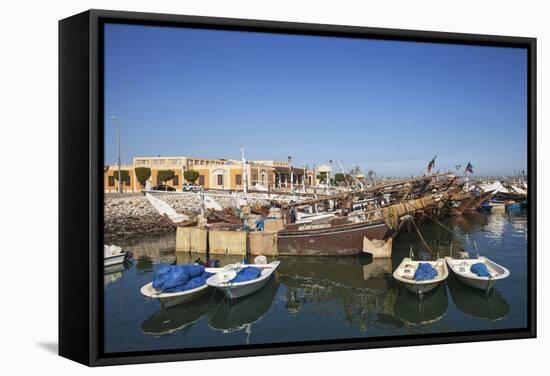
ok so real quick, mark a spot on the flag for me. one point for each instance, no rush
(457, 167)
(431, 164)
(469, 168)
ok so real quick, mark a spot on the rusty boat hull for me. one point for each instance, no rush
(339, 240)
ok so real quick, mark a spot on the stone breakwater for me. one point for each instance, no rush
(132, 215)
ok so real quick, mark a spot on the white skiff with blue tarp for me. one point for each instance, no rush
(480, 273)
(229, 283)
(421, 277)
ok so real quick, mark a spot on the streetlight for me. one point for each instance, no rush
(118, 139)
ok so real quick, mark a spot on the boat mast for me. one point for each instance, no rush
(291, 173)
(245, 175)
(304, 179)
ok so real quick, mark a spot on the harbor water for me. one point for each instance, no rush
(324, 298)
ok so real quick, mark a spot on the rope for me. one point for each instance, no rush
(437, 221)
(421, 237)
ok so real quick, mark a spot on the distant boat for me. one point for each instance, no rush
(498, 205)
(406, 270)
(487, 207)
(513, 205)
(462, 269)
(235, 290)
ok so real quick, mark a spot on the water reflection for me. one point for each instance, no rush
(241, 314)
(477, 303)
(112, 273)
(222, 315)
(427, 309)
(170, 320)
(496, 225)
(360, 287)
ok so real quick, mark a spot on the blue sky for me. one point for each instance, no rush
(387, 105)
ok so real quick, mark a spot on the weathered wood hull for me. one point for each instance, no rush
(469, 202)
(342, 240)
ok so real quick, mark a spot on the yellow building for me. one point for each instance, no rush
(110, 183)
(223, 174)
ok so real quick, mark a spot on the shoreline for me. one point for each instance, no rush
(128, 215)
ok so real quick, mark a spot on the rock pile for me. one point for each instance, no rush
(131, 215)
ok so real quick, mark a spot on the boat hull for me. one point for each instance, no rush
(238, 292)
(420, 289)
(114, 260)
(346, 240)
(172, 299)
(480, 284)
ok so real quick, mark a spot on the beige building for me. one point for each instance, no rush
(224, 174)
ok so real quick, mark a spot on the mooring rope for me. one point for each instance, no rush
(421, 237)
(438, 222)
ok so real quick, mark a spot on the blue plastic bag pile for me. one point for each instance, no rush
(176, 278)
(247, 274)
(425, 272)
(480, 269)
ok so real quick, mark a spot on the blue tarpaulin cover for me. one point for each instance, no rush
(425, 272)
(172, 278)
(193, 283)
(247, 274)
(480, 269)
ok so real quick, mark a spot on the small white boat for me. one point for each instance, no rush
(170, 299)
(461, 268)
(113, 255)
(405, 274)
(234, 290)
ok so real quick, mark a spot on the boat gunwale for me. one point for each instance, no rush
(272, 265)
(332, 229)
(472, 276)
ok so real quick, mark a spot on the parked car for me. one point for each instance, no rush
(191, 187)
(164, 187)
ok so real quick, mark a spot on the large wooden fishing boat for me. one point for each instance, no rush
(344, 236)
(339, 237)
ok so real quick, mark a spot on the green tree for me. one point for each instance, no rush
(142, 174)
(191, 176)
(124, 176)
(165, 175)
(322, 177)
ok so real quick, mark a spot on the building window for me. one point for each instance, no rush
(220, 179)
(175, 180)
(111, 181)
(201, 179)
(238, 179)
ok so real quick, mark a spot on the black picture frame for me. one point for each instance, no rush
(81, 211)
